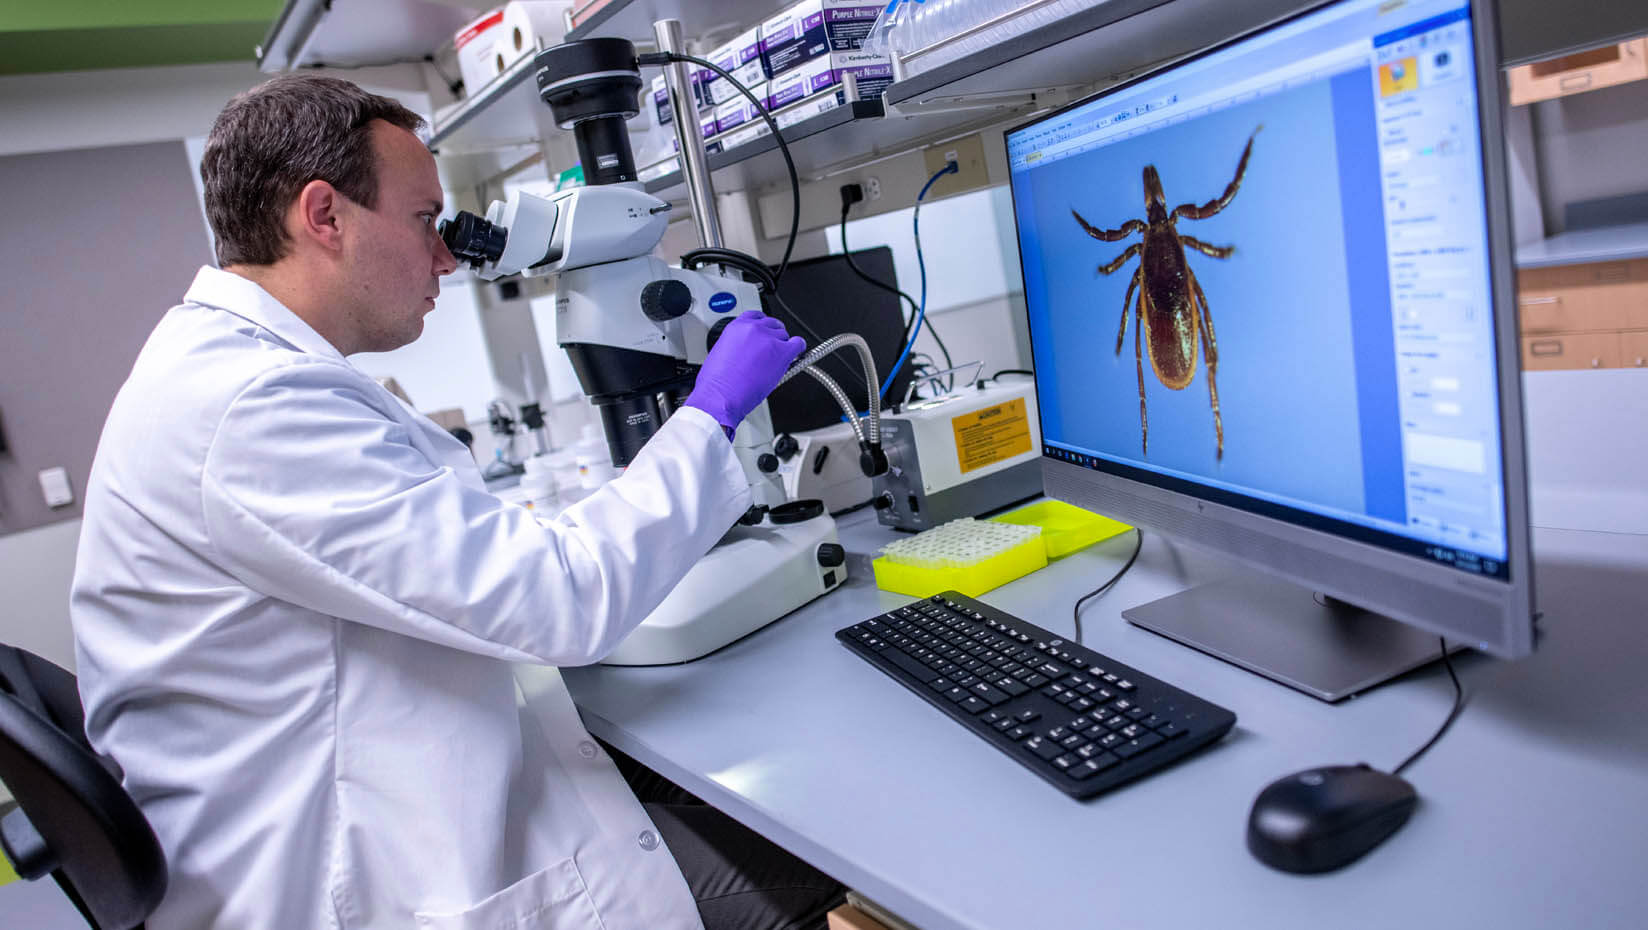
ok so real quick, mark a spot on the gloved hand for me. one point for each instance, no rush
(743, 367)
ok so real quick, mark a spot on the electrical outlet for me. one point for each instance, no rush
(872, 188)
(54, 486)
(968, 154)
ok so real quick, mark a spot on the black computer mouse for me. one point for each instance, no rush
(1323, 818)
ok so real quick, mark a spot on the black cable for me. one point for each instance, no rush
(1458, 705)
(658, 58)
(1011, 371)
(766, 281)
(914, 308)
(1075, 612)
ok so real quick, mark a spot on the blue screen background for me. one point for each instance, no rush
(1309, 244)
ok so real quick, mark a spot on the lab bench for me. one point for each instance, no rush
(1530, 806)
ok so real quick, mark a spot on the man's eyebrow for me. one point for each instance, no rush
(436, 204)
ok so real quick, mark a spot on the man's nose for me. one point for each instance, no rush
(445, 262)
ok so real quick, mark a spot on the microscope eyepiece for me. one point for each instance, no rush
(473, 239)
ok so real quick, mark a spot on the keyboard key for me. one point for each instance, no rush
(1126, 685)
(1018, 733)
(1043, 748)
(1004, 724)
(1065, 761)
(941, 684)
(1170, 730)
(990, 694)
(1025, 716)
(972, 705)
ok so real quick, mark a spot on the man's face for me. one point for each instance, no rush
(396, 256)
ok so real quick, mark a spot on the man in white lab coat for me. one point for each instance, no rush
(295, 606)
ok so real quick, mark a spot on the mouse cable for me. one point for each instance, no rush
(1075, 612)
(1458, 705)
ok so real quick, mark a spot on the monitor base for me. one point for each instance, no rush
(1284, 632)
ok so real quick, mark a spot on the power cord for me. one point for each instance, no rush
(921, 262)
(1075, 612)
(663, 58)
(1458, 705)
(851, 194)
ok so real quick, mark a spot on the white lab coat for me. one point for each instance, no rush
(295, 610)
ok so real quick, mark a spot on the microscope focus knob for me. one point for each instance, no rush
(665, 300)
(831, 554)
(767, 462)
(786, 446)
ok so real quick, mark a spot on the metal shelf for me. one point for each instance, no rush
(758, 163)
(633, 19)
(1099, 46)
(506, 111)
(309, 33)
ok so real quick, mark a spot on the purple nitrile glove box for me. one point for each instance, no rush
(813, 28)
(742, 57)
(820, 83)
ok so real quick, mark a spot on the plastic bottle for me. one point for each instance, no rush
(537, 486)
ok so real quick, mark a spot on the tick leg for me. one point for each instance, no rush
(1211, 251)
(1210, 348)
(1121, 259)
(1127, 307)
(1138, 359)
(1191, 211)
(1108, 235)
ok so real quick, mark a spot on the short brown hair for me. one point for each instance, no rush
(272, 140)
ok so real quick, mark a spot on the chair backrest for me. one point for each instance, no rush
(72, 820)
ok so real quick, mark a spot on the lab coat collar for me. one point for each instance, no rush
(245, 298)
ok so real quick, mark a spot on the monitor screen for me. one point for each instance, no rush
(1264, 278)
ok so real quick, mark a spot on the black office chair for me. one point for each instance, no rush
(71, 818)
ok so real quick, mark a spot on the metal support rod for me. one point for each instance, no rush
(695, 169)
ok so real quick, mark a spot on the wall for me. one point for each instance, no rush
(1590, 146)
(975, 293)
(93, 261)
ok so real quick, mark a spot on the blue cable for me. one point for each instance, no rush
(921, 310)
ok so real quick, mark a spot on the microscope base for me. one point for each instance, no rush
(751, 578)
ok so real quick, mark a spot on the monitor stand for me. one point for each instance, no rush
(1284, 632)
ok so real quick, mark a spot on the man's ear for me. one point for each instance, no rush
(317, 215)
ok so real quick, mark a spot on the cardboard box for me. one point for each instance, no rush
(813, 28)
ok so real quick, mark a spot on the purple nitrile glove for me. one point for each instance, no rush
(743, 367)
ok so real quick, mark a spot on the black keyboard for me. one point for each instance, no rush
(1081, 720)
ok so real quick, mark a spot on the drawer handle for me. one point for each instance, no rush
(1596, 363)
(1639, 361)
(1576, 81)
(1539, 301)
(1545, 347)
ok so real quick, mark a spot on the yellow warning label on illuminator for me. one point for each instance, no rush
(986, 436)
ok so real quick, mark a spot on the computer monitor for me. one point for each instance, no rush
(1271, 313)
(823, 297)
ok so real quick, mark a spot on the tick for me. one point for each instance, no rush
(1171, 311)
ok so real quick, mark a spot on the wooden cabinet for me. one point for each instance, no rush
(1572, 74)
(1633, 349)
(1584, 316)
